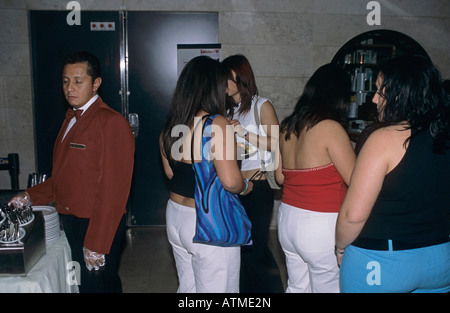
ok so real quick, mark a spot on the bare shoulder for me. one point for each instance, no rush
(331, 128)
(388, 136)
(267, 104)
(221, 120)
(268, 114)
(385, 145)
(331, 124)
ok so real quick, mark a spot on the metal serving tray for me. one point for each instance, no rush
(19, 257)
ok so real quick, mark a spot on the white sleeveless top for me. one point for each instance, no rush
(248, 122)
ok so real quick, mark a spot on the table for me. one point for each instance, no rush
(48, 275)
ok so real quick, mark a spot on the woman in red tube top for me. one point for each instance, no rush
(317, 162)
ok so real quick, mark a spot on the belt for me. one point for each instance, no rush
(394, 245)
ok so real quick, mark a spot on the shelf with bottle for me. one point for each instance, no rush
(361, 116)
(361, 61)
(360, 57)
(362, 111)
(368, 54)
(363, 88)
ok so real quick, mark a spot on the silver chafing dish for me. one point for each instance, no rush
(21, 249)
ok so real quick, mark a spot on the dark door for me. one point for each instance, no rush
(152, 80)
(51, 39)
(152, 39)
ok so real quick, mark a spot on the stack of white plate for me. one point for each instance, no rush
(51, 218)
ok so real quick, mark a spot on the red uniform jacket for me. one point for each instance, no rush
(91, 175)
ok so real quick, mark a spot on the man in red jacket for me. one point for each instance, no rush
(91, 177)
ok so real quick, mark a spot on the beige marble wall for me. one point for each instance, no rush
(16, 115)
(285, 40)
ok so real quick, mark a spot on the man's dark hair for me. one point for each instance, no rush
(93, 68)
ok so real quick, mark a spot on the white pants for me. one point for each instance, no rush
(201, 268)
(307, 239)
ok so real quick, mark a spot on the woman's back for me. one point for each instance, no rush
(325, 143)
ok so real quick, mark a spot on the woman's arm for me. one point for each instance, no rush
(165, 162)
(223, 148)
(279, 176)
(339, 149)
(365, 185)
(268, 120)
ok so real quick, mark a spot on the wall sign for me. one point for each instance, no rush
(188, 52)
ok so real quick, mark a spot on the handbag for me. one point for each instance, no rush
(270, 175)
(221, 217)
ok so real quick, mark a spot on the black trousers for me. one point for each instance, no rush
(259, 270)
(105, 280)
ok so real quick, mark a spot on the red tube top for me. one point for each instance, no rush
(319, 189)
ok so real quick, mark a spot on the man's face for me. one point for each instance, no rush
(78, 86)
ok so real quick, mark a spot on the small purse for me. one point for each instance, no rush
(221, 217)
(270, 175)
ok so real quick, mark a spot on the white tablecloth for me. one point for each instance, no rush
(49, 274)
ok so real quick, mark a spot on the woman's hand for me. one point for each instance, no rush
(248, 190)
(238, 128)
(339, 255)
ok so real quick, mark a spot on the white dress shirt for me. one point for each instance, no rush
(83, 108)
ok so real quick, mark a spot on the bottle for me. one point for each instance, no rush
(352, 111)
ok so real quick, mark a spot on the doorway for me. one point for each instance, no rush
(150, 41)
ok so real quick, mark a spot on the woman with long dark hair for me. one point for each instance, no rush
(317, 162)
(259, 270)
(392, 233)
(200, 91)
